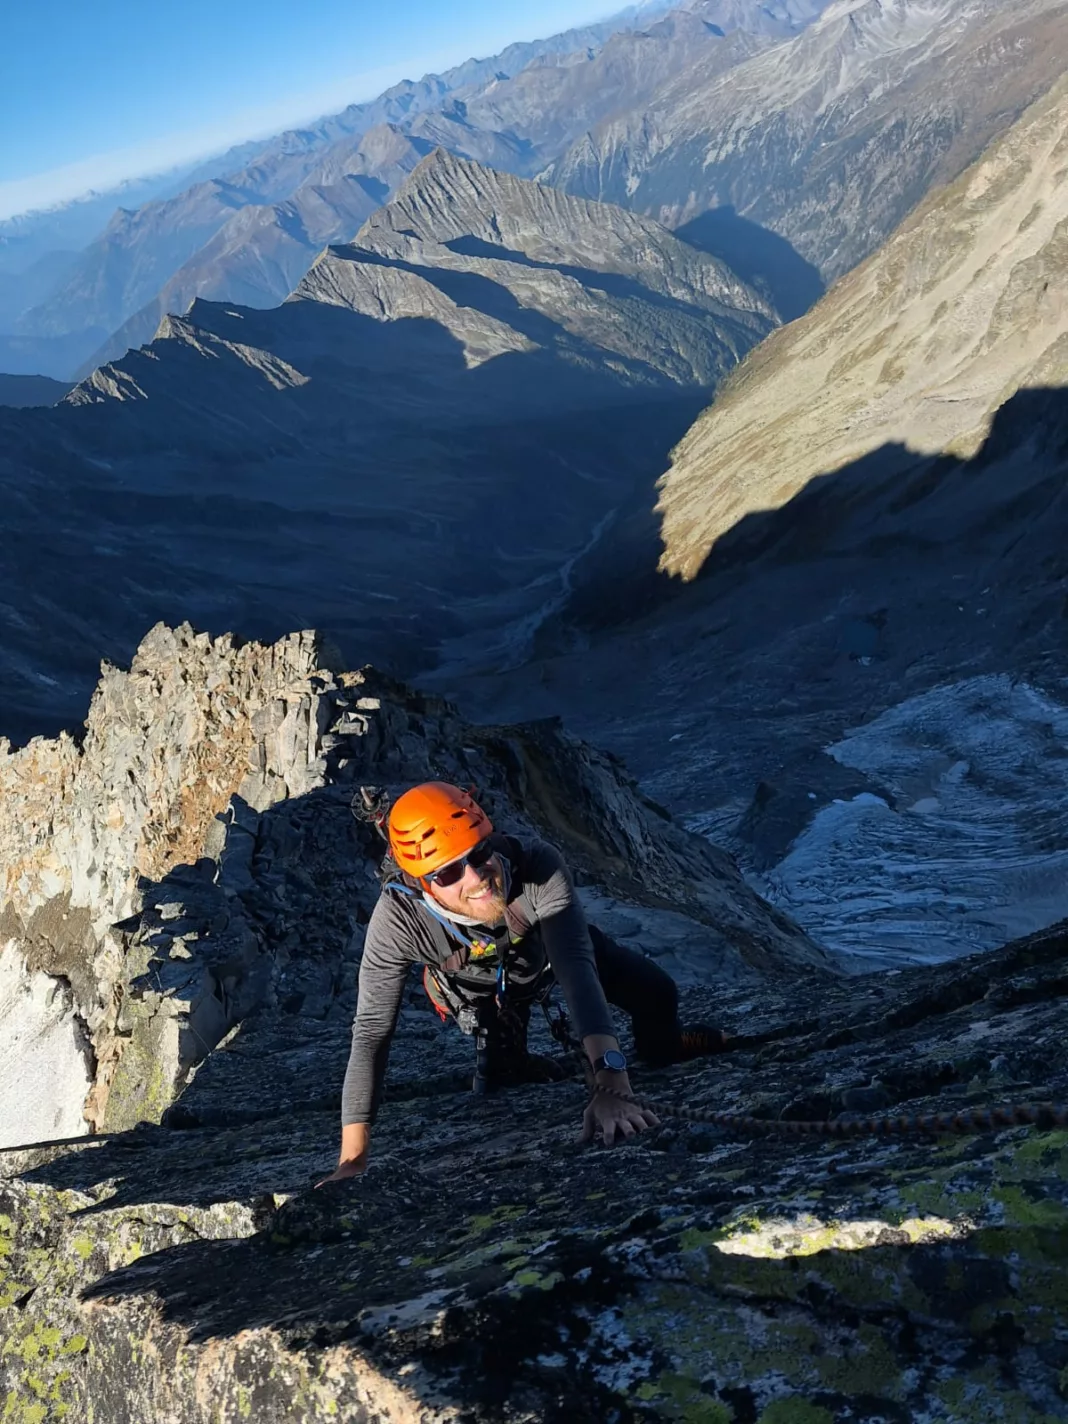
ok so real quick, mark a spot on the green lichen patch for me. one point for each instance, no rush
(795, 1411)
(487, 1266)
(807, 1235)
(675, 1396)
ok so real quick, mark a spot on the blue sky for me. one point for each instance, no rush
(94, 91)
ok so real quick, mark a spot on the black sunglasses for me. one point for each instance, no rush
(453, 873)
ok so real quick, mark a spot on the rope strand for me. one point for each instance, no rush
(1041, 1115)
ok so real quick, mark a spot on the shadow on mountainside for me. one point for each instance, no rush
(760, 257)
(1002, 513)
(874, 585)
(337, 479)
(613, 284)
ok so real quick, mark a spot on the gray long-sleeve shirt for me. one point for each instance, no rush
(402, 933)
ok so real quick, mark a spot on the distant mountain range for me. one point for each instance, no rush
(229, 248)
(788, 139)
(249, 230)
(487, 345)
(831, 139)
(31, 237)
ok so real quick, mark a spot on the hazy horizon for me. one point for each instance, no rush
(62, 108)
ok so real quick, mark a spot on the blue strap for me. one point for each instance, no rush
(457, 931)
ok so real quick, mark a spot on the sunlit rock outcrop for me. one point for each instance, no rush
(965, 305)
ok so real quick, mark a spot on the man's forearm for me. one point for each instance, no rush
(365, 1071)
(355, 1140)
(594, 1044)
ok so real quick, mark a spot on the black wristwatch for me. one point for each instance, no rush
(611, 1061)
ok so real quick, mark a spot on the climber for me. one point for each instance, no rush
(495, 922)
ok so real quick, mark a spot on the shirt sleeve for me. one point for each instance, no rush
(388, 952)
(566, 936)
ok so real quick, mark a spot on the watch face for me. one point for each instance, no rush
(614, 1060)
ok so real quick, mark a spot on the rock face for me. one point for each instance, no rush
(140, 859)
(86, 826)
(45, 1045)
(488, 1268)
(831, 138)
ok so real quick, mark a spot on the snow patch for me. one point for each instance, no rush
(970, 848)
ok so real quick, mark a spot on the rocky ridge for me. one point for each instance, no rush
(580, 283)
(487, 1267)
(616, 287)
(138, 854)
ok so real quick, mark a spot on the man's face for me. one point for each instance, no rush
(479, 894)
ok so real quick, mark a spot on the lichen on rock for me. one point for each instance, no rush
(487, 1267)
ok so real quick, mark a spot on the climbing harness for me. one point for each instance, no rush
(473, 1006)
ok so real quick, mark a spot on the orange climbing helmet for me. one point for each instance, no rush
(434, 823)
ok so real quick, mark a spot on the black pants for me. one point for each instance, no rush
(644, 991)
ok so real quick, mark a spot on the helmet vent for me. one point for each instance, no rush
(434, 823)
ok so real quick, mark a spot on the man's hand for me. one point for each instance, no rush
(355, 1153)
(614, 1120)
(608, 1116)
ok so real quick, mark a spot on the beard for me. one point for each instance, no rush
(487, 908)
